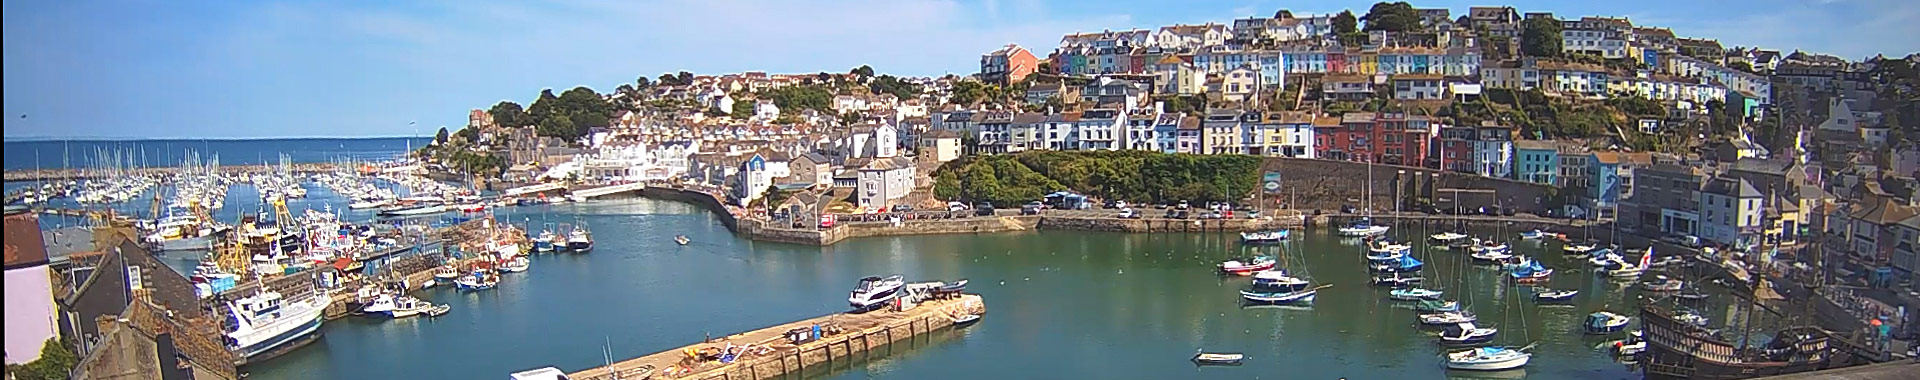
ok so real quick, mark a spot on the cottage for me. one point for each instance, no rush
(884, 182)
(941, 145)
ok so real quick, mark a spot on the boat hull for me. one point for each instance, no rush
(202, 243)
(1490, 365)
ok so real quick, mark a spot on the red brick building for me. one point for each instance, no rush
(1008, 65)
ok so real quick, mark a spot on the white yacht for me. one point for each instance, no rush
(875, 291)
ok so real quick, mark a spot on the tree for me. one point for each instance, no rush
(55, 363)
(1283, 14)
(742, 109)
(624, 89)
(1043, 67)
(796, 98)
(967, 92)
(508, 114)
(642, 83)
(440, 137)
(863, 70)
(1540, 37)
(1742, 66)
(1392, 17)
(1345, 23)
(715, 111)
(684, 78)
(668, 79)
(850, 118)
(888, 84)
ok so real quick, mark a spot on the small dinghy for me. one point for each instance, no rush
(1556, 295)
(1414, 294)
(1488, 359)
(1221, 358)
(439, 310)
(682, 239)
(1531, 234)
(954, 287)
(1661, 283)
(1284, 298)
(1579, 249)
(1633, 345)
(965, 320)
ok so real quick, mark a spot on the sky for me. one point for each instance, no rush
(353, 68)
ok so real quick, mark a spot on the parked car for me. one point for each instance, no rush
(1251, 214)
(1211, 215)
(1032, 208)
(1127, 213)
(1183, 205)
(903, 208)
(1171, 213)
(956, 206)
(983, 208)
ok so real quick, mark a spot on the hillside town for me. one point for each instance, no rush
(1663, 135)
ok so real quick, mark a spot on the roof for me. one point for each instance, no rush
(1534, 145)
(23, 242)
(1610, 158)
(1357, 117)
(815, 157)
(1030, 118)
(1775, 167)
(1731, 187)
(941, 134)
(891, 163)
(1886, 212)
(1190, 122)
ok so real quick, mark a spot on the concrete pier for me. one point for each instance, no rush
(856, 333)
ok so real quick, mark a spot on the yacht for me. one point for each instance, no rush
(874, 291)
(1363, 227)
(264, 321)
(1488, 359)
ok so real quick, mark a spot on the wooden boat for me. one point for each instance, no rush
(1221, 358)
(1676, 349)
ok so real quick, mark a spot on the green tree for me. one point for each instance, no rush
(796, 98)
(440, 137)
(742, 109)
(683, 78)
(863, 70)
(850, 117)
(55, 363)
(967, 92)
(888, 84)
(1344, 23)
(468, 134)
(1540, 37)
(1392, 17)
(642, 83)
(508, 114)
(668, 80)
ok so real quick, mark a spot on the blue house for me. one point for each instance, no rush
(1536, 161)
(1605, 171)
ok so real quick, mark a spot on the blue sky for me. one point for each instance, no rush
(237, 69)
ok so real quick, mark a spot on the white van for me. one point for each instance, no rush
(548, 373)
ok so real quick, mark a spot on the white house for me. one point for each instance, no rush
(1098, 129)
(1419, 87)
(1602, 42)
(883, 181)
(1730, 211)
(847, 103)
(32, 318)
(1240, 84)
(1139, 133)
(765, 110)
(754, 177)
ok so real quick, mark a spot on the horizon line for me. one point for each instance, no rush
(11, 139)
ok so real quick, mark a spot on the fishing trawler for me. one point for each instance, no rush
(265, 321)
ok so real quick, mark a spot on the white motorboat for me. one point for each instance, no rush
(579, 240)
(874, 291)
(1488, 359)
(404, 306)
(1447, 318)
(1447, 236)
(1363, 228)
(1466, 333)
(516, 265)
(265, 321)
(382, 305)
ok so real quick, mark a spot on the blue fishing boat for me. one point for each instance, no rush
(1406, 264)
(1603, 322)
(1279, 298)
(1531, 234)
(1532, 272)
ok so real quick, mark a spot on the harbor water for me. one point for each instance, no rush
(1079, 304)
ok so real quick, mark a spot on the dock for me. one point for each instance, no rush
(771, 354)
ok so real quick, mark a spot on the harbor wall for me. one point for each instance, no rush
(894, 327)
(1167, 225)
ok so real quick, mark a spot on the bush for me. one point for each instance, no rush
(1116, 175)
